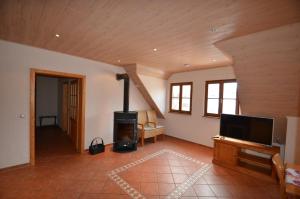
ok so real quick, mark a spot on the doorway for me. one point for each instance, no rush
(72, 119)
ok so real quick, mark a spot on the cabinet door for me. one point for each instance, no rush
(225, 153)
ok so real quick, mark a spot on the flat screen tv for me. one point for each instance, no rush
(253, 129)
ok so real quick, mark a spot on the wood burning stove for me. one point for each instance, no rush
(125, 123)
(125, 131)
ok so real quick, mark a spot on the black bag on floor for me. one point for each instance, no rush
(96, 147)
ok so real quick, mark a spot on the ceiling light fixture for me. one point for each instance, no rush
(154, 49)
(57, 35)
(119, 61)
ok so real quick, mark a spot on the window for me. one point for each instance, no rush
(221, 97)
(181, 97)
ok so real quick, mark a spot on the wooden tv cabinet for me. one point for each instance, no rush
(230, 153)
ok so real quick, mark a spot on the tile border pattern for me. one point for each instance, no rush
(176, 193)
(179, 190)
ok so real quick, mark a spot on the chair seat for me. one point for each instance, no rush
(149, 128)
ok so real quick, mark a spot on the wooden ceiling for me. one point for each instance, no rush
(183, 31)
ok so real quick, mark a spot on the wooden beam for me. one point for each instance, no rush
(132, 73)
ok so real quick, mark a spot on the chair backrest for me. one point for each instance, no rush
(276, 159)
(142, 117)
(152, 116)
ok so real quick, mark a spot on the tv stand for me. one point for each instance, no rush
(230, 153)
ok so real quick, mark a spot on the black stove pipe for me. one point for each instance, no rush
(126, 91)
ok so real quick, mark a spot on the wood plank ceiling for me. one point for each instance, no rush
(122, 32)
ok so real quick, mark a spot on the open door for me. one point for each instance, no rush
(65, 107)
(73, 112)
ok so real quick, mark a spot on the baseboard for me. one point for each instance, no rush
(107, 146)
(5, 169)
(181, 139)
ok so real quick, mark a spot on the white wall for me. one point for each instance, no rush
(46, 98)
(292, 147)
(195, 127)
(157, 88)
(104, 95)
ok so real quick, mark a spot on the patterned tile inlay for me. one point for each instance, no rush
(176, 193)
(179, 191)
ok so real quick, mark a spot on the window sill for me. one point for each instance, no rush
(213, 117)
(181, 113)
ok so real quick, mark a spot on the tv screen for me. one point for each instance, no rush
(253, 129)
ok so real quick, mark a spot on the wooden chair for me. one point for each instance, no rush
(280, 169)
(148, 126)
(152, 119)
(286, 189)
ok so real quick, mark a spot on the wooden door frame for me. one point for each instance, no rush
(81, 129)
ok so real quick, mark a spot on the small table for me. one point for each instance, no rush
(290, 188)
(47, 116)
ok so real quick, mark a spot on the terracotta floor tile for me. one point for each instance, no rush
(273, 190)
(203, 190)
(135, 185)
(217, 170)
(41, 194)
(91, 196)
(149, 169)
(102, 196)
(221, 190)
(190, 169)
(66, 185)
(177, 169)
(148, 177)
(62, 173)
(94, 186)
(101, 176)
(179, 178)
(256, 192)
(68, 195)
(149, 188)
(174, 162)
(153, 197)
(164, 169)
(186, 163)
(218, 180)
(132, 176)
(9, 193)
(165, 188)
(112, 188)
(165, 178)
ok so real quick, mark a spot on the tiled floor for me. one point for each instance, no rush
(72, 175)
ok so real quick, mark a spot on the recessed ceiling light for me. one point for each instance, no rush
(154, 49)
(57, 35)
(119, 61)
(187, 65)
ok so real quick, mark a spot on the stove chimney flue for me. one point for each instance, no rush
(126, 90)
